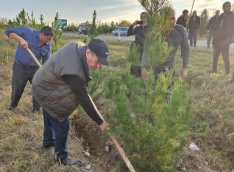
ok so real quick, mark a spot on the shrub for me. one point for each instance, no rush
(151, 118)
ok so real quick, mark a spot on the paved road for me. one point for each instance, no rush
(200, 43)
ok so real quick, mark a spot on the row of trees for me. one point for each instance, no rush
(23, 18)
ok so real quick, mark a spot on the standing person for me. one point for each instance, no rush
(223, 35)
(193, 27)
(182, 20)
(138, 28)
(176, 37)
(24, 67)
(211, 26)
(60, 86)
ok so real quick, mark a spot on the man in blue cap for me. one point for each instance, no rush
(60, 86)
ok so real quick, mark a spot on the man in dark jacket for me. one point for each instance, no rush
(211, 26)
(223, 37)
(182, 20)
(138, 28)
(176, 38)
(193, 27)
(60, 86)
(24, 67)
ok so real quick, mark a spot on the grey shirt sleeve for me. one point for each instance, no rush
(184, 48)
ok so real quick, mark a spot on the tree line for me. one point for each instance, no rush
(24, 19)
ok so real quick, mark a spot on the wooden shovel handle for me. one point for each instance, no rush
(118, 147)
(123, 155)
(33, 57)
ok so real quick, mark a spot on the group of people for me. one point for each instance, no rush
(175, 36)
(60, 85)
(220, 27)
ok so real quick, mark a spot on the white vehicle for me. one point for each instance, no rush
(122, 31)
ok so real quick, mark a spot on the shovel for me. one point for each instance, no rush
(118, 147)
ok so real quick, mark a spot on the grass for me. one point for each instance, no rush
(212, 129)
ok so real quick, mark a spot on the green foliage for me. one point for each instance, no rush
(42, 20)
(152, 6)
(93, 30)
(124, 23)
(134, 56)
(151, 118)
(106, 28)
(3, 23)
(156, 47)
(95, 88)
(21, 19)
(57, 33)
(71, 28)
(32, 21)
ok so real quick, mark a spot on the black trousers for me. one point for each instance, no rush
(193, 37)
(20, 76)
(224, 49)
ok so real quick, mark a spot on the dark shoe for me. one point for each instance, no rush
(47, 146)
(11, 108)
(35, 110)
(135, 70)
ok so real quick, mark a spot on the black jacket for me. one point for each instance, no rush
(139, 32)
(213, 22)
(182, 21)
(194, 23)
(224, 29)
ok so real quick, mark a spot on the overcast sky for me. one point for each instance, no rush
(78, 11)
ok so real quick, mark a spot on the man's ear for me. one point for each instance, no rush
(88, 50)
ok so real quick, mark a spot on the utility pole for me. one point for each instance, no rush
(192, 7)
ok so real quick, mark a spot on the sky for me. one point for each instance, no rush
(78, 11)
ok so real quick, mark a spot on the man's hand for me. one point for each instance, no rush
(23, 43)
(103, 126)
(135, 22)
(183, 73)
(144, 74)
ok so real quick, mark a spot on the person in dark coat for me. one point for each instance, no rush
(223, 37)
(193, 27)
(211, 26)
(176, 38)
(138, 28)
(182, 20)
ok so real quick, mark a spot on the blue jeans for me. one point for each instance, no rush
(56, 132)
